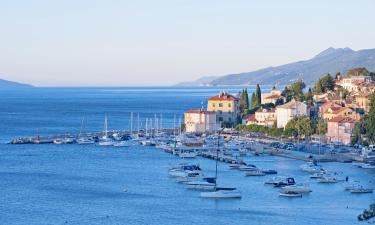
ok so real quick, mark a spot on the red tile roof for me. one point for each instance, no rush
(261, 110)
(274, 97)
(342, 119)
(250, 117)
(223, 96)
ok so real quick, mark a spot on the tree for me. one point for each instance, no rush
(258, 95)
(370, 121)
(303, 125)
(246, 102)
(309, 97)
(359, 131)
(294, 90)
(321, 128)
(253, 101)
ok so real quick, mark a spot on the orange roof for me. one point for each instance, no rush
(262, 110)
(342, 119)
(274, 97)
(223, 96)
(290, 105)
(199, 111)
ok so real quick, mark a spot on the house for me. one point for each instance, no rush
(363, 101)
(200, 121)
(324, 107)
(353, 83)
(265, 117)
(290, 110)
(249, 120)
(340, 129)
(273, 97)
(226, 107)
(335, 111)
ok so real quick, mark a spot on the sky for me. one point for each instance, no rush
(132, 43)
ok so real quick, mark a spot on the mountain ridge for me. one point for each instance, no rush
(331, 60)
(7, 84)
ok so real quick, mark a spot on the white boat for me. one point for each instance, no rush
(58, 141)
(121, 144)
(368, 166)
(297, 188)
(361, 190)
(311, 167)
(247, 167)
(187, 154)
(105, 140)
(328, 179)
(219, 192)
(290, 194)
(85, 141)
(255, 173)
(207, 183)
(222, 193)
(275, 180)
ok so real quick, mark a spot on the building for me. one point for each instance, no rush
(354, 83)
(265, 117)
(340, 130)
(363, 101)
(335, 111)
(324, 107)
(200, 121)
(249, 120)
(226, 107)
(290, 110)
(272, 97)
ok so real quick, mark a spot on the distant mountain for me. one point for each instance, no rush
(204, 81)
(5, 84)
(330, 60)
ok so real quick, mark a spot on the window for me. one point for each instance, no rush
(229, 105)
(220, 119)
(220, 104)
(213, 105)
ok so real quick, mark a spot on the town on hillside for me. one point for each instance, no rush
(336, 110)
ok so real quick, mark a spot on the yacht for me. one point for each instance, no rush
(85, 140)
(297, 188)
(189, 176)
(255, 173)
(275, 180)
(247, 167)
(361, 190)
(290, 194)
(222, 193)
(58, 141)
(121, 144)
(187, 154)
(328, 179)
(207, 183)
(287, 182)
(105, 140)
(311, 167)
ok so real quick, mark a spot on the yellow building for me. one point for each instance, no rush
(226, 107)
(333, 112)
(200, 121)
(272, 97)
(266, 117)
(363, 101)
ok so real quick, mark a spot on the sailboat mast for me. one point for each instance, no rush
(217, 157)
(131, 123)
(138, 123)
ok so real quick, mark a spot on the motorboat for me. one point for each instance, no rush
(58, 141)
(247, 167)
(275, 180)
(254, 173)
(220, 192)
(85, 140)
(328, 179)
(207, 183)
(189, 176)
(148, 143)
(287, 182)
(289, 194)
(187, 154)
(361, 190)
(368, 166)
(297, 188)
(311, 167)
(352, 186)
(121, 144)
(237, 164)
(321, 174)
(183, 170)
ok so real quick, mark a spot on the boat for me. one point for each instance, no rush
(275, 180)
(255, 173)
(311, 167)
(297, 188)
(247, 167)
(328, 179)
(287, 182)
(85, 140)
(207, 183)
(189, 176)
(183, 170)
(220, 192)
(105, 140)
(187, 154)
(361, 190)
(121, 144)
(58, 141)
(289, 194)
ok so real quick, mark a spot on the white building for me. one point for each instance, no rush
(288, 111)
(200, 121)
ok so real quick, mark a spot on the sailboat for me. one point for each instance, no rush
(105, 140)
(84, 140)
(221, 192)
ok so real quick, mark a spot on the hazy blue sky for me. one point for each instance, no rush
(82, 43)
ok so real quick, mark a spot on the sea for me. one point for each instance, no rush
(73, 184)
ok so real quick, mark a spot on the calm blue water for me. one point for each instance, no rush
(71, 184)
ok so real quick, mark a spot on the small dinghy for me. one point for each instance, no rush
(290, 194)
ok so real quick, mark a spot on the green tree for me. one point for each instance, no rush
(309, 97)
(253, 101)
(321, 128)
(258, 95)
(359, 132)
(295, 90)
(246, 102)
(370, 121)
(303, 125)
